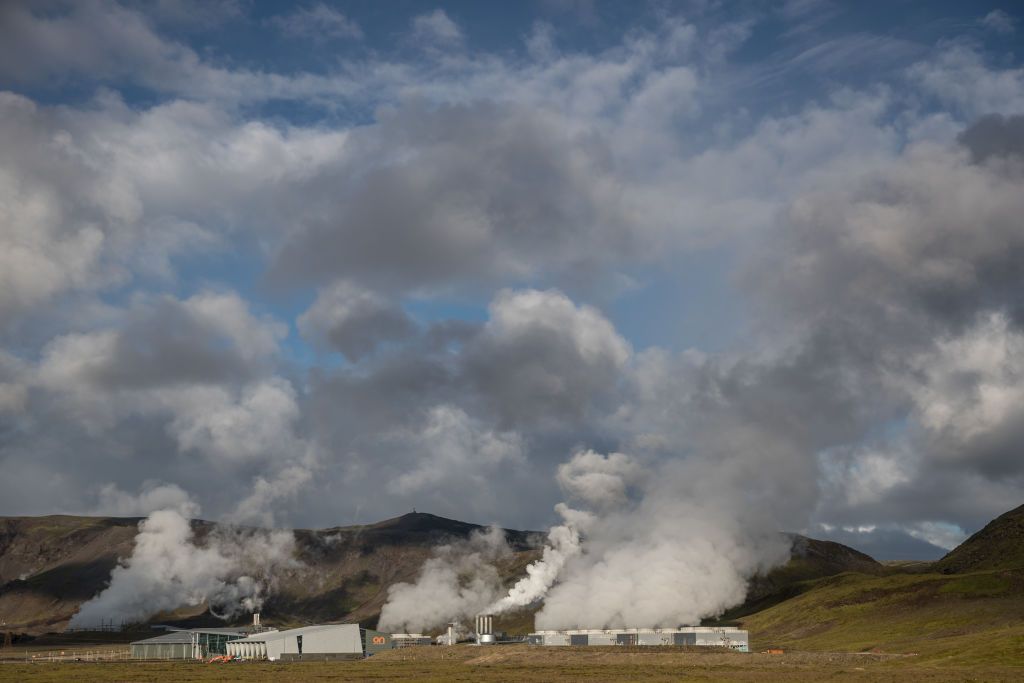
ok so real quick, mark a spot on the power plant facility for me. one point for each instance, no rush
(400, 640)
(311, 643)
(692, 636)
(329, 642)
(196, 643)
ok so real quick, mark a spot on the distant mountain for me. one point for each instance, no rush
(50, 565)
(999, 545)
(811, 559)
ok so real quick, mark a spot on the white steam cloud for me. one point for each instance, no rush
(230, 570)
(563, 543)
(458, 581)
(652, 547)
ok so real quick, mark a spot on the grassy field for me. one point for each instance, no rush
(520, 662)
(964, 620)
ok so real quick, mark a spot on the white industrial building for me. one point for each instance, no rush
(325, 642)
(696, 636)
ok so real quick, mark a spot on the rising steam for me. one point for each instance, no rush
(230, 570)
(458, 581)
(654, 546)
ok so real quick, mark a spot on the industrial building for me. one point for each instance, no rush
(316, 643)
(695, 636)
(186, 644)
(399, 640)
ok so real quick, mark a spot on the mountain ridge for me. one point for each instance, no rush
(50, 565)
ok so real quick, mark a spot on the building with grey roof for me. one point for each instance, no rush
(323, 642)
(186, 644)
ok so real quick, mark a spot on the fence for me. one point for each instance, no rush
(119, 654)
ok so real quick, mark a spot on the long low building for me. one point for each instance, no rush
(317, 643)
(186, 644)
(400, 640)
(694, 636)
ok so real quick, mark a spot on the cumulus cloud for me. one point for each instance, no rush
(879, 297)
(540, 356)
(969, 396)
(154, 496)
(960, 79)
(451, 444)
(436, 28)
(354, 320)
(256, 424)
(167, 355)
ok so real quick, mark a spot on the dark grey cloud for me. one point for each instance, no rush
(354, 321)
(540, 358)
(912, 270)
(211, 338)
(474, 192)
(994, 135)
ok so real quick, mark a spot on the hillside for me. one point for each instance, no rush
(967, 619)
(811, 559)
(963, 610)
(825, 596)
(50, 565)
(999, 545)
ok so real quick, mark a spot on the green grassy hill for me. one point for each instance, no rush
(999, 545)
(964, 618)
(966, 609)
(811, 559)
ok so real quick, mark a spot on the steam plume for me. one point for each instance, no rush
(652, 550)
(230, 571)
(457, 582)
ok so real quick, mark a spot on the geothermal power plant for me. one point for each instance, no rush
(330, 642)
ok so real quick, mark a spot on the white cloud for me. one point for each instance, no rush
(319, 23)
(960, 79)
(436, 28)
(999, 21)
(452, 447)
(153, 496)
(971, 390)
(256, 424)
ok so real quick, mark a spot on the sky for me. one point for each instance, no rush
(317, 264)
